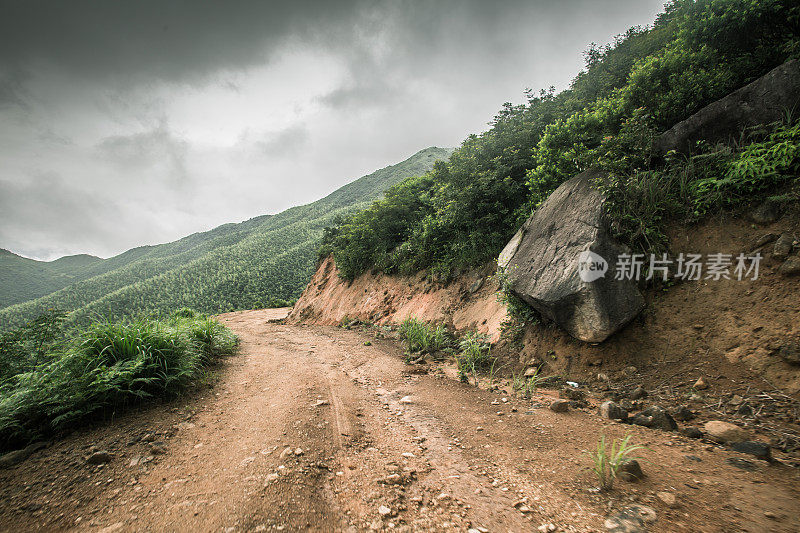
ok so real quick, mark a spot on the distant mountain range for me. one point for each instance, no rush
(234, 266)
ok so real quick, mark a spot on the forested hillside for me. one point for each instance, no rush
(464, 211)
(23, 279)
(256, 263)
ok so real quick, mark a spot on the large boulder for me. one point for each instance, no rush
(542, 263)
(763, 101)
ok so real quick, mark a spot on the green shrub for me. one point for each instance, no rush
(423, 338)
(107, 367)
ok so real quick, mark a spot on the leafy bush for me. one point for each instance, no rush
(423, 338)
(687, 188)
(607, 462)
(104, 368)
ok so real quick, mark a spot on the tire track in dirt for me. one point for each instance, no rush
(306, 431)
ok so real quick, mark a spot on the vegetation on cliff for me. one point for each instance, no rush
(462, 212)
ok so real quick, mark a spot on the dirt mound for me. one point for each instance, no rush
(469, 302)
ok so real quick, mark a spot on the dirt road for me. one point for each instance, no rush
(326, 429)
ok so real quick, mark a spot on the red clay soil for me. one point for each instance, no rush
(326, 429)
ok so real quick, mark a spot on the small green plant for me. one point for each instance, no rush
(607, 462)
(423, 338)
(474, 356)
(526, 386)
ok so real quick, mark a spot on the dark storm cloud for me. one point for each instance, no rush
(140, 121)
(171, 40)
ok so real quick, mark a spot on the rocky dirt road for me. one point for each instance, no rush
(309, 428)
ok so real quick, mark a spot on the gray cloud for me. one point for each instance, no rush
(287, 142)
(146, 150)
(128, 123)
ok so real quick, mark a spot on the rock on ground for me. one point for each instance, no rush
(726, 432)
(612, 411)
(763, 101)
(569, 230)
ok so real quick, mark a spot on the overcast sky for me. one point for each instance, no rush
(139, 122)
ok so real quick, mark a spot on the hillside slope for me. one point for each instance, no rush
(23, 279)
(230, 267)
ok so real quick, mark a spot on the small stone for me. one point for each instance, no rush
(701, 384)
(384, 511)
(299, 451)
(760, 450)
(405, 400)
(725, 432)
(631, 519)
(545, 528)
(790, 267)
(479, 428)
(320, 403)
(98, 458)
(408, 455)
(783, 247)
(744, 410)
(602, 377)
(158, 448)
(638, 393)
(668, 499)
(286, 452)
(560, 406)
(393, 479)
(692, 432)
(656, 418)
(682, 413)
(630, 370)
(531, 372)
(736, 400)
(612, 411)
(630, 470)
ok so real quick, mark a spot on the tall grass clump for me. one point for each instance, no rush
(474, 356)
(423, 338)
(607, 461)
(103, 369)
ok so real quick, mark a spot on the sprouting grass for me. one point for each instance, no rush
(105, 368)
(474, 356)
(423, 338)
(526, 386)
(607, 462)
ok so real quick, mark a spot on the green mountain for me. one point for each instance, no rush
(234, 266)
(23, 279)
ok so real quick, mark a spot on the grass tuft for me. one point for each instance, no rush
(102, 369)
